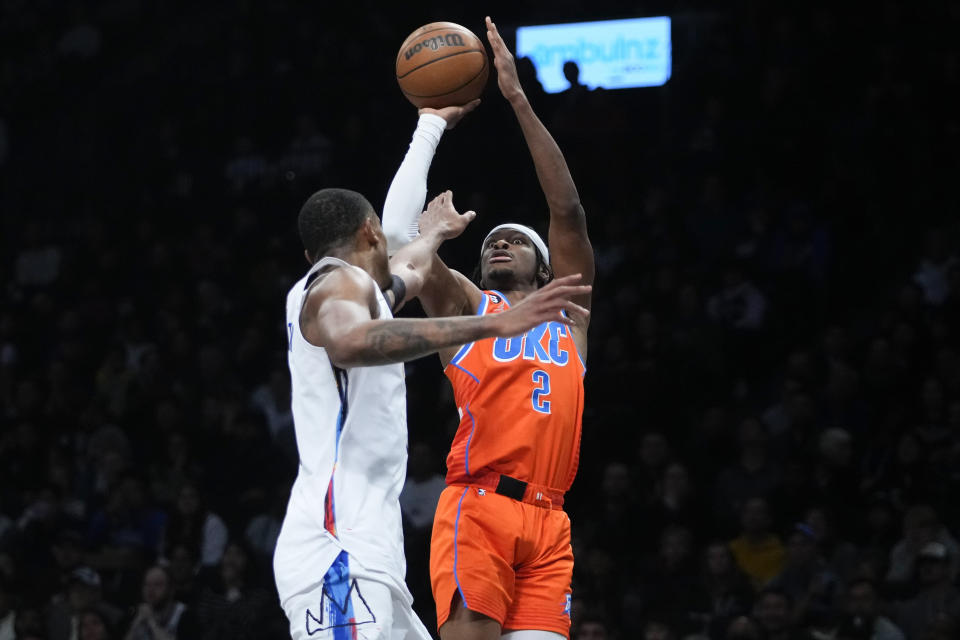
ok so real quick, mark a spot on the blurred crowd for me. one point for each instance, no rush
(771, 441)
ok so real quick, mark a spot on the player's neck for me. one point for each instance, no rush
(369, 262)
(516, 293)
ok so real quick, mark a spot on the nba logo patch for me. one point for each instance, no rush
(566, 606)
(494, 298)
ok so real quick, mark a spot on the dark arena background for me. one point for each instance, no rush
(771, 440)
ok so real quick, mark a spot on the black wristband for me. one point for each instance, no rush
(399, 289)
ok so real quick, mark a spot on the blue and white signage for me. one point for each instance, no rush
(613, 54)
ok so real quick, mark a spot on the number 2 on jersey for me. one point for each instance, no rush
(541, 391)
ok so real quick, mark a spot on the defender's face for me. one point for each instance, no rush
(508, 257)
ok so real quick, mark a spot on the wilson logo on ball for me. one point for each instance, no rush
(441, 64)
(449, 40)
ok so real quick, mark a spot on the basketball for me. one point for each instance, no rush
(442, 64)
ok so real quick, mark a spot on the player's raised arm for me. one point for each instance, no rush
(570, 248)
(339, 315)
(412, 264)
(408, 189)
(446, 292)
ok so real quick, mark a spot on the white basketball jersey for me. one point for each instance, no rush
(351, 429)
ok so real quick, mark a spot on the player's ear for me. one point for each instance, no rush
(369, 231)
(544, 274)
(306, 254)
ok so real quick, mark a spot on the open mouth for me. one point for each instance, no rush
(500, 256)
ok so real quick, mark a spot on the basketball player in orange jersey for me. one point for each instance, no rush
(501, 561)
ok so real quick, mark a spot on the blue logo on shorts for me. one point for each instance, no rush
(342, 606)
(566, 606)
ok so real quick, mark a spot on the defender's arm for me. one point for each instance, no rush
(339, 315)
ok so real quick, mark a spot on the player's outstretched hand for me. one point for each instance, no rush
(441, 218)
(452, 115)
(507, 77)
(544, 305)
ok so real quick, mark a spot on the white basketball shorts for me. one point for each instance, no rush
(349, 604)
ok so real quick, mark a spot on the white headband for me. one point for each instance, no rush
(527, 231)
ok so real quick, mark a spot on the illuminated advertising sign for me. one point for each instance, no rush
(613, 54)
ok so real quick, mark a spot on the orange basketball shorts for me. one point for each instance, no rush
(509, 560)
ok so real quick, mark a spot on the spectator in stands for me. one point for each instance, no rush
(757, 550)
(835, 480)
(672, 580)
(263, 528)
(176, 466)
(744, 628)
(658, 630)
(728, 589)
(233, 605)
(773, 611)
(83, 591)
(653, 455)
(128, 531)
(160, 616)
(936, 598)
(864, 619)
(66, 554)
(94, 625)
(616, 510)
(192, 524)
(752, 475)
(841, 555)
(272, 399)
(418, 499)
(806, 577)
(739, 305)
(676, 502)
(183, 566)
(31, 624)
(799, 442)
(921, 526)
(776, 417)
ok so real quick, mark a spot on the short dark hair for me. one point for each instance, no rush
(329, 217)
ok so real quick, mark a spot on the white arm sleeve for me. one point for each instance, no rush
(408, 191)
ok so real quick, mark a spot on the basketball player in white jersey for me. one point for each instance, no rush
(339, 561)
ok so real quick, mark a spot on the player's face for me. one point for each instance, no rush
(508, 259)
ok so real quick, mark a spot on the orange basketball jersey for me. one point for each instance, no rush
(521, 404)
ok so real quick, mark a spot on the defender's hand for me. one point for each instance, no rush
(507, 78)
(544, 305)
(452, 115)
(441, 218)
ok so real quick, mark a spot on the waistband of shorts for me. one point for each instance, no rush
(535, 494)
